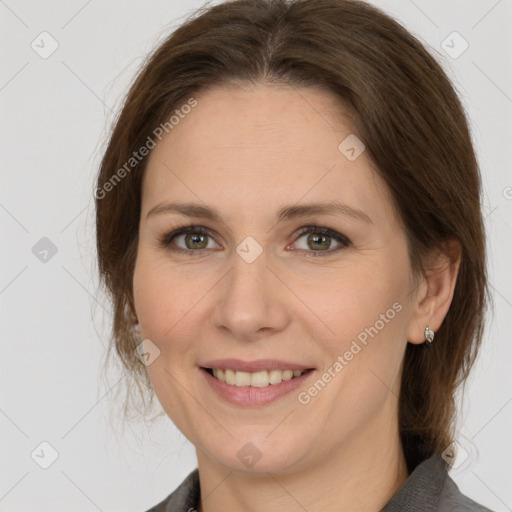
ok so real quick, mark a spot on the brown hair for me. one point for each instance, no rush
(406, 112)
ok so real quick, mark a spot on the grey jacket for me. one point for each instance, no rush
(429, 488)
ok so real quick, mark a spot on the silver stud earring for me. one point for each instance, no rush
(429, 336)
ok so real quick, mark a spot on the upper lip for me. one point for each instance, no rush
(253, 366)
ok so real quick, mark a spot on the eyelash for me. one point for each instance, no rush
(167, 238)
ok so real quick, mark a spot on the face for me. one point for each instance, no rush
(268, 285)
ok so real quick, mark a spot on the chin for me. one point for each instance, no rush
(257, 452)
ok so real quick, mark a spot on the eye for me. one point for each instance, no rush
(320, 238)
(192, 238)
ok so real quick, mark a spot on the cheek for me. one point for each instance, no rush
(363, 357)
(366, 317)
(161, 299)
(354, 300)
(162, 303)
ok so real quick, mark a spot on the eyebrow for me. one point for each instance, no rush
(285, 213)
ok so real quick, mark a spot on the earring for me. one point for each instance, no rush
(429, 336)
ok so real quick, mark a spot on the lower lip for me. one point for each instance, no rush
(249, 395)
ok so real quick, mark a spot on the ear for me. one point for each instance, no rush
(135, 329)
(435, 291)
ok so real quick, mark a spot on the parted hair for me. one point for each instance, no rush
(405, 110)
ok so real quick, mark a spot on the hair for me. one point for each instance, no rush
(405, 110)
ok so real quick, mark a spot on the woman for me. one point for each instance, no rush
(289, 224)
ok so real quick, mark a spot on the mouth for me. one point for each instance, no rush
(254, 383)
(258, 379)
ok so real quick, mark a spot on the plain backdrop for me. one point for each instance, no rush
(55, 408)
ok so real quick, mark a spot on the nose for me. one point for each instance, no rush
(251, 300)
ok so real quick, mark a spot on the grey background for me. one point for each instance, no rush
(56, 112)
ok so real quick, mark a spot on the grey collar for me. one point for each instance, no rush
(427, 489)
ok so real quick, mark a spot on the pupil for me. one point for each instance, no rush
(316, 238)
(196, 239)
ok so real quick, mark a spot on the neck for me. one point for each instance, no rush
(360, 475)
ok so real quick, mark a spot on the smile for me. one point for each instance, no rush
(259, 379)
(256, 382)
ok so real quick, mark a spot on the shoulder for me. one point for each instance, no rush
(184, 498)
(452, 500)
(429, 488)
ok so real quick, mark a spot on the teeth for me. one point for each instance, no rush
(229, 376)
(242, 379)
(287, 375)
(275, 376)
(257, 379)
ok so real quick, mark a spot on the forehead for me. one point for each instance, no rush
(251, 146)
(262, 120)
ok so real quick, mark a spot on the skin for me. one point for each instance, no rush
(248, 151)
